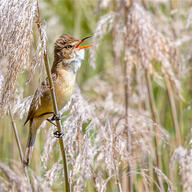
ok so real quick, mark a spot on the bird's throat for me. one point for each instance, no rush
(67, 65)
(72, 64)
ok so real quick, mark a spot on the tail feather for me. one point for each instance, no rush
(29, 147)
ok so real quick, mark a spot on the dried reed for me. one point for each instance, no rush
(56, 111)
(96, 125)
(19, 148)
(184, 156)
(16, 19)
(156, 120)
(127, 74)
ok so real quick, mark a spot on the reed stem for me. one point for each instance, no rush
(156, 120)
(127, 185)
(128, 133)
(56, 111)
(19, 147)
(173, 110)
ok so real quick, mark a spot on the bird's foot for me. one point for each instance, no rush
(58, 134)
(56, 117)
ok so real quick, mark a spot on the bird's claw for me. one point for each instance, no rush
(56, 117)
(58, 134)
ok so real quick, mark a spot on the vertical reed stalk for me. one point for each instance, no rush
(117, 178)
(156, 120)
(145, 183)
(56, 111)
(150, 167)
(16, 136)
(173, 110)
(19, 147)
(127, 185)
(128, 133)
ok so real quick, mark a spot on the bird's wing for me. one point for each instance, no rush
(39, 93)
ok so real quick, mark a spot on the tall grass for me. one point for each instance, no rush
(127, 126)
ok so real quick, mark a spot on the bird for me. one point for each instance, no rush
(68, 54)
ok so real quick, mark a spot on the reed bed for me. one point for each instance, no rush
(127, 126)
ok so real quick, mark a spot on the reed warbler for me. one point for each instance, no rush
(68, 54)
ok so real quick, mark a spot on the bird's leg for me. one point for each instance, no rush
(57, 134)
(56, 117)
(50, 121)
(53, 118)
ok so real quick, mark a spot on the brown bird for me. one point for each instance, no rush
(67, 60)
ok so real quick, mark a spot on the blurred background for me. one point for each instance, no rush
(142, 52)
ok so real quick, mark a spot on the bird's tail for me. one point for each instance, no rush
(29, 147)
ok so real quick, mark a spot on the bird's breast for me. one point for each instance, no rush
(64, 86)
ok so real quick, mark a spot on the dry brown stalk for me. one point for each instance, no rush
(150, 168)
(16, 135)
(155, 116)
(19, 147)
(156, 120)
(129, 188)
(128, 134)
(117, 179)
(144, 183)
(173, 110)
(56, 111)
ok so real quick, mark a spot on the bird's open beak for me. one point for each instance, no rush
(83, 46)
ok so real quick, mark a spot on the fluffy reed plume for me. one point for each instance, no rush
(16, 19)
(109, 107)
(48, 147)
(104, 25)
(13, 179)
(145, 47)
(53, 173)
(95, 139)
(94, 125)
(78, 127)
(21, 105)
(184, 157)
(146, 43)
(37, 59)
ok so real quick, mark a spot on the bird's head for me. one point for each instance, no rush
(69, 51)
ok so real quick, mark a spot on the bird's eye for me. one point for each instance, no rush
(69, 46)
